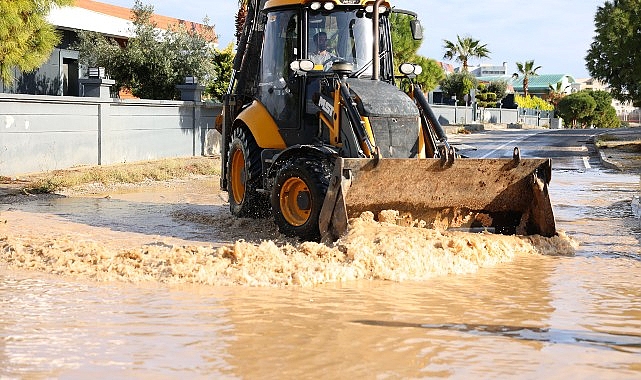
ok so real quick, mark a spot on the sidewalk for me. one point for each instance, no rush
(620, 149)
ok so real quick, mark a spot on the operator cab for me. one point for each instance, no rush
(341, 34)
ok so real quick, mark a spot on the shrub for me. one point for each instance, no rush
(532, 102)
(498, 87)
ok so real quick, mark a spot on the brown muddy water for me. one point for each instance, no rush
(159, 282)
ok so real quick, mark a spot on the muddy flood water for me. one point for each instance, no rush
(159, 282)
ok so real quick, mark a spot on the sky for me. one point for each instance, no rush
(556, 34)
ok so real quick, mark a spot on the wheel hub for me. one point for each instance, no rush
(295, 201)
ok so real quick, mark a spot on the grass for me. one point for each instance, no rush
(612, 141)
(159, 170)
(605, 140)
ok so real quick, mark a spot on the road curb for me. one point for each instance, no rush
(608, 162)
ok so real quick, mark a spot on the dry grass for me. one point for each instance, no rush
(159, 170)
(607, 140)
(616, 143)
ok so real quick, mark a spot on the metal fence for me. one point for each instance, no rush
(459, 115)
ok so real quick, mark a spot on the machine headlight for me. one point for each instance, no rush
(302, 65)
(406, 69)
(410, 69)
(329, 6)
(370, 8)
(315, 6)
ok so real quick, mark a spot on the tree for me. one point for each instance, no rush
(556, 93)
(406, 48)
(432, 73)
(152, 62)
(486, 98)
(613, 55)
(464, 49)
(575, 107)
(27, 39)
(527, 70)
(604, 115)
(241, 16)
(498, 87)
(223, 67)
(459, 85)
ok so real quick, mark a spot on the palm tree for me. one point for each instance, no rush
(464, 49)
(556, 93)
(528, 70)
(241, 15)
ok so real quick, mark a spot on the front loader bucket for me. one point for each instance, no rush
(507, 196)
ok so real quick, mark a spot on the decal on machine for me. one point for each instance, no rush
(326, 106)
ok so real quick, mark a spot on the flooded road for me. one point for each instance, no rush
(497, 312)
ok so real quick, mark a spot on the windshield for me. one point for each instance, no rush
(340, 35)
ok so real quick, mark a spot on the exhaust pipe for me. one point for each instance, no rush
(376, 62)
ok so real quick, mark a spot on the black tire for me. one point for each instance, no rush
(244, 176)
(298, 195)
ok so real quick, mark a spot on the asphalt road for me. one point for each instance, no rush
(569, 149)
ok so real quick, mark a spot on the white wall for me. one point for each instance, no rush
(84, 19)
(43, 133)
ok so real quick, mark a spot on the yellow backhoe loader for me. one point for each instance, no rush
(316, 131)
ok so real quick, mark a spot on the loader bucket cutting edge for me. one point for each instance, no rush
(508, 196)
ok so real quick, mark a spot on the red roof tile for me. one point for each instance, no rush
(163, 22)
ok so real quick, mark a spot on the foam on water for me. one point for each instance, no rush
(371, 251)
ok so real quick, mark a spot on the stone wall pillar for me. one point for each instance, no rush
(97, 87)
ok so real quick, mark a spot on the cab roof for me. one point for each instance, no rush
(279, 3)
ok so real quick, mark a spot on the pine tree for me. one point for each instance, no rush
(406, 50)
(26, 38)
(614, 56)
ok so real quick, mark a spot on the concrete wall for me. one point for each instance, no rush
(42, 133)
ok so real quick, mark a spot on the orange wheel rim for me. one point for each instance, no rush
(238, 176)
(290, 207)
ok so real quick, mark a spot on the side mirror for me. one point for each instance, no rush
(417, 29)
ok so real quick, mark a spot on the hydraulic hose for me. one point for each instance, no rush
(431, 117)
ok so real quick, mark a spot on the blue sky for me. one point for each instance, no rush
(554, 33)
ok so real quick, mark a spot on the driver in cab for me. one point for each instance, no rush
(319, 54)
